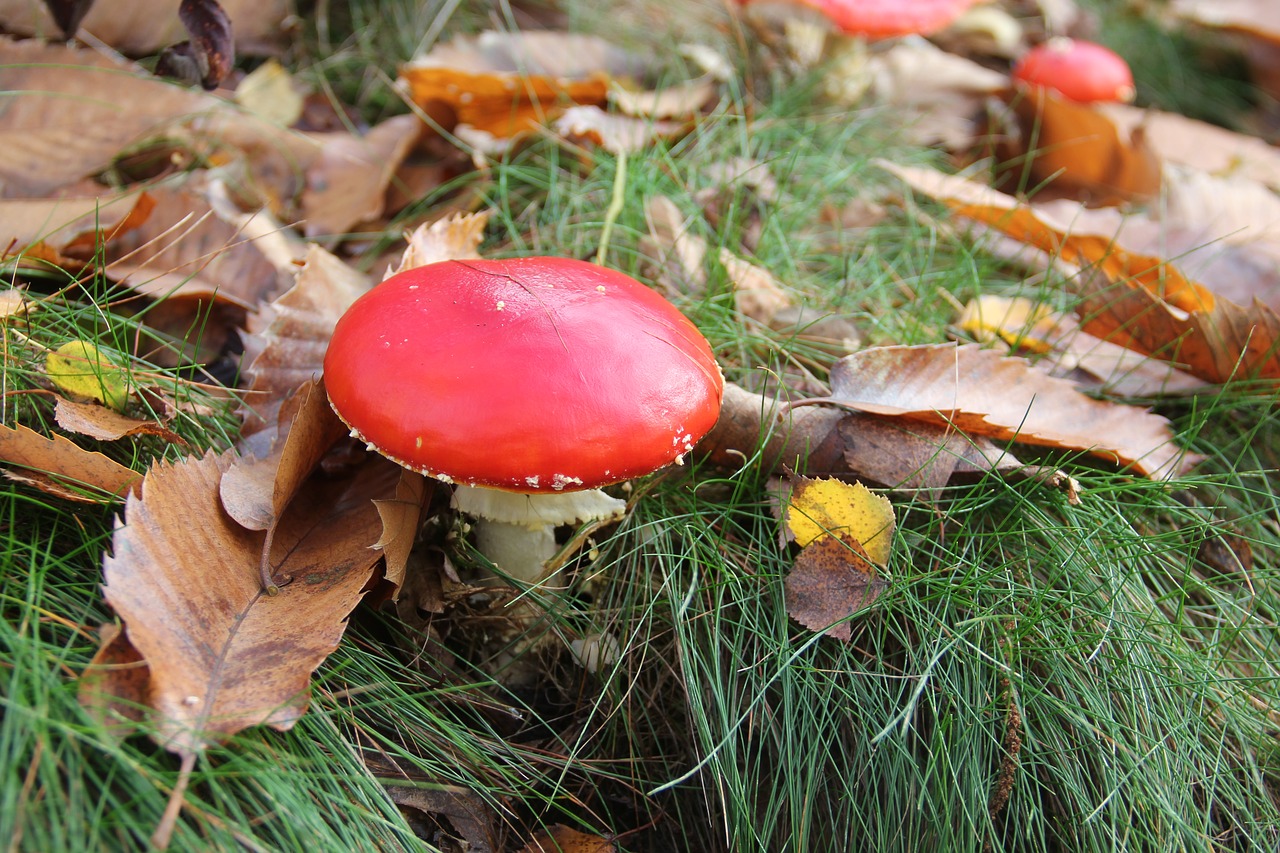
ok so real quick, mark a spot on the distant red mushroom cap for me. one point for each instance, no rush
(888, 18)
(530, 374)
(1078, 70)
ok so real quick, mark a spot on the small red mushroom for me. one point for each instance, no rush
(1078, 70)
(530, 383)
(874, 19)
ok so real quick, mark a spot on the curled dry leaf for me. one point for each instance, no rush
(207, 56)
(61, 467)
(981, 392)
(106, 425)
(617, 134)
(455, 237)
(221, 653)
(401, 518)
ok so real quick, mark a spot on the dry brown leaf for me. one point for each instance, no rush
(680, 254)
(1222, 343)
(347, 184)
(287, 339)
(113, 687)
(1063, 230)
(617, 134)
(680, 100)
(105, 424)
(62, 119)
(455, 237)
(64, 231)
(559, 838)
(756, 293)
(141, 27)
(504, 84)
(1076, 148)
(222, 654)
(401, 519)
(62, 467)
(1072, 352)
(1177, 139)
(832, 579)
(186, 249)
(256, 490)
(983, 393)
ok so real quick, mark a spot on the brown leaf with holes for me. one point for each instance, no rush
(61, 467)
(982, 393)
(832, 579)
(183, 577)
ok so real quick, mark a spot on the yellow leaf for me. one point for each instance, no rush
(827, 506)
(81, 370)
(1019, 321)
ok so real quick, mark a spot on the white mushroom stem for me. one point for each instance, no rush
(517, 531)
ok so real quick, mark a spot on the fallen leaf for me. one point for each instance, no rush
(559, 838)
(65, 231)
(455, 237)
(504, 84)
(401, 520)
(182, 576)
(1071, 351)
(830, 581)
(83, 370)
(68, 470)
(186, 249)
(678, 100)
(756, 293)
(983, 393)
(1222, 343)
(347, 183)
(256, 491)
(829, 508)
(286, 339)
(143, 27)
(617, 134)
(1075, 148)
(113, 687)
(271, 93)
(106, 424)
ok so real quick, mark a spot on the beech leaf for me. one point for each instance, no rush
(60, 466)
(981, 392)
(222, 654)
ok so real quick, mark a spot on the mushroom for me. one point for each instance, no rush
(876, 19)
(530, 383)
(1078, 70)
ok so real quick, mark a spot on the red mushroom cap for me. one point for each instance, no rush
(1078, 70)
(888, 18)
(530, 374)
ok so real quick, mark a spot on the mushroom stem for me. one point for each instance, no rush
(516, 531)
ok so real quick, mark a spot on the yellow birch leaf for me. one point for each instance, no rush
(826, 507)
(79, 369)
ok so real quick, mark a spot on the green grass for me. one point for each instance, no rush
(1038, 675)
